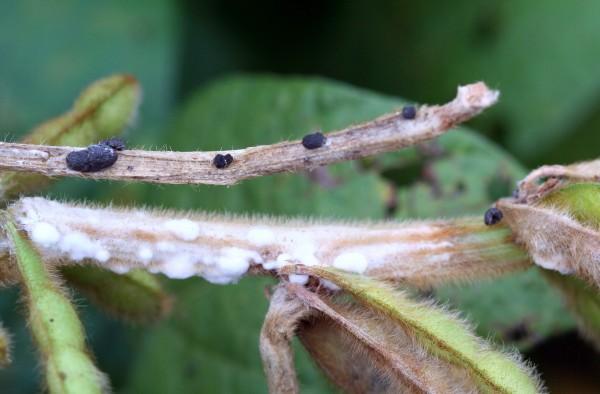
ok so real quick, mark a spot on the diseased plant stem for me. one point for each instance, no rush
(384, 134)
(276, 336)
(223, 248)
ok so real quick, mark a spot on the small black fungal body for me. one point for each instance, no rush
(409, 112)
(93, 158)
(313, 141)
(115, 143)
(222, 161)
(492, 216)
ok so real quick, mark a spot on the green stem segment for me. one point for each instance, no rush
(54, 324)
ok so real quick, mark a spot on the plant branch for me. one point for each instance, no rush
(279, 327)
(384, 134)
(545, 179)
(223, 248)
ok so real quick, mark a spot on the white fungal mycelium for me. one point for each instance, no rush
(261, 236)
(145, 254)
(219, 249)
(351, 261)
(183, 228)
(44, 234)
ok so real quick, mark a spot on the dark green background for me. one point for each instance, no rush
(543, 56)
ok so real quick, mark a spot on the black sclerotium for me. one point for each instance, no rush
(115, 143)
(313, 141)
(93, 158)
(222, 161)
(409, 112)
(492, 216)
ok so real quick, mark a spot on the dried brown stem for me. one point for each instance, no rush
(546, 179)
(384, 134)
(280, 324)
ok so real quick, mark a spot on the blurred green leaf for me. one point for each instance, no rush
(136, 296)
(460, 173)
(544, 63)
(49, 51)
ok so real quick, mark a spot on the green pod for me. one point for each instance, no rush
(55, 326)
(439, 332)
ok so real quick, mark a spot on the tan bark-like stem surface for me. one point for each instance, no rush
(276, 335)
(384, 134)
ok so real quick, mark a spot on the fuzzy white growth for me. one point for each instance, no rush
(261, 236)
(352, 262)
(44, 234)
(79, 246)
(181, 266)
(102, 255)
(305, 254)
(221, 249)
(183, 228)
(145, 254)
(231, 265)
(298, 279)
(477, 95)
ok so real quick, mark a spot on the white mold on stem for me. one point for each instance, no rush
(221, 249)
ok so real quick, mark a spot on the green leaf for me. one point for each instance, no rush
(50, 51)
(583, 301)
(537, 56)
(54, 324)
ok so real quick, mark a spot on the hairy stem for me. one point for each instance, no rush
(54, 324)
(276, 335)
(223, 248)
(384, 134)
